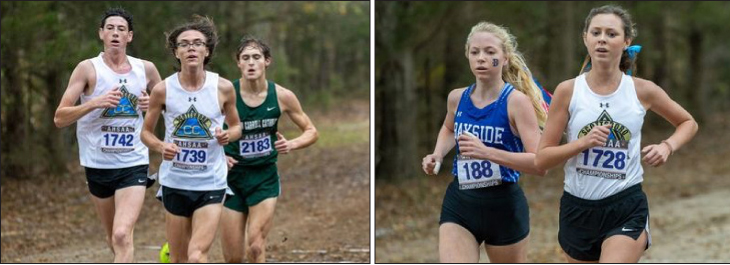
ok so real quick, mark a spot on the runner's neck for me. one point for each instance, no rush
(193, 79)
(254, 86)
(117, 61)
(488, 90)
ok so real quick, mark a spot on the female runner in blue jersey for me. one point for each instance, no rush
(496, 123)
(604, 214)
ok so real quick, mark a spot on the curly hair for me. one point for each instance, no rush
(201, 24)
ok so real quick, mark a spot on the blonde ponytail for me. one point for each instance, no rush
(519, 76)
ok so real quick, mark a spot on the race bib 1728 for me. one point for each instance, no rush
(609, 163)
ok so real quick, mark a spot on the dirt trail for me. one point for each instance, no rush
(323, 214)
(692, 230)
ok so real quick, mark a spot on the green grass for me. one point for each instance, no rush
(336, 135)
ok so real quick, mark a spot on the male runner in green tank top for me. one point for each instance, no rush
(253, 176)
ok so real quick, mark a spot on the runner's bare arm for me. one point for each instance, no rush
(153, 76)
(67, 113)
(655, 98)
(445, 139)
(549, 152)
(290, 105)
(157, 101)
(229, 109)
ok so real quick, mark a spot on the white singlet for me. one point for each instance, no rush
(600, 172)
(110, 137)
(190, 122)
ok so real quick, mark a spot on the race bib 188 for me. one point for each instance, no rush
(473, 173)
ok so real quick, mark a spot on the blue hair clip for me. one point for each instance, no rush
(633, 50)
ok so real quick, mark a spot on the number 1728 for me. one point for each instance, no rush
(618, 158)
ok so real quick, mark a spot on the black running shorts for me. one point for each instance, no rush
(185, 202)
(496, 215)
(585, 224)
(104, 182)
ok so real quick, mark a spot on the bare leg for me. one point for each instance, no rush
(233, 227)
(205, 225)
(178, 237)
(515, 253)
(623, 249)
(105, 208)
(457, 245)
(128, 203)
(261, 218)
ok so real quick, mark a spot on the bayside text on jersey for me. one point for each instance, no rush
(491, 125)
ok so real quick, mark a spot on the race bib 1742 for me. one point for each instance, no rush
(117, 139)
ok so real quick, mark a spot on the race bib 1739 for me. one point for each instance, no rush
(193, 155)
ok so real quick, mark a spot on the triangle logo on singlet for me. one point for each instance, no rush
(192, 125)
(127, 107)
(619, 135)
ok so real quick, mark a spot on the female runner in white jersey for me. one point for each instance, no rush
(193, 173)
(604, 215)
(503, 111)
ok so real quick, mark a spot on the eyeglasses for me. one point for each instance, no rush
(196, 44)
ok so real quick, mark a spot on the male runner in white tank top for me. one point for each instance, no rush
(113, 91)
(194, 104)
(604, 214)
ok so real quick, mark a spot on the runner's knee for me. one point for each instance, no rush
(255, 250)
(122, 236)
(196, 256)
(257, 240)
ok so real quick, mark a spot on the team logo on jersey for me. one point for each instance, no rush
(192, 124)
(619, 135)
(127, 107)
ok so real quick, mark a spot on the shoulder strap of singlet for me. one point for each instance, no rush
(467, 92)
(237, 88)
(505, 92)
(272, 90)
(465, 95)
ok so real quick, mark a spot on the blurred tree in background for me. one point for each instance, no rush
(419, 59)
(321, 51)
